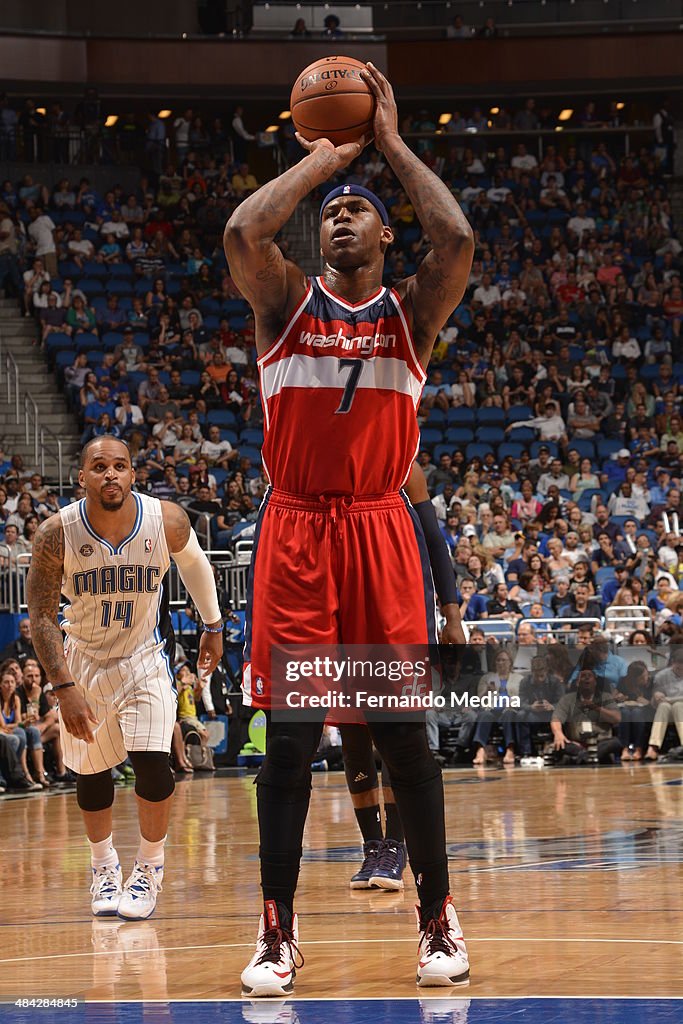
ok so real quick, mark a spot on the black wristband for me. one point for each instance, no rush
(61, 686)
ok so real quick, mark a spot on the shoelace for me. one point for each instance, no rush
(273, 939)
(105, 882)
(387, 857)
(143, 883)
(369, 861)
(438, 939)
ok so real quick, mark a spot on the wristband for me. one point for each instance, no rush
(61, 686)
(212, 629)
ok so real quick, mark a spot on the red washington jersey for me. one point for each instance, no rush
(340, 387)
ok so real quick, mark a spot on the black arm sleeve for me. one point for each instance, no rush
(442, 570)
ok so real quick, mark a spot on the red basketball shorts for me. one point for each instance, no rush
(334, 570)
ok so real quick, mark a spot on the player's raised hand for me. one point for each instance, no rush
(77, 715)
(386, 114)
(339, 156)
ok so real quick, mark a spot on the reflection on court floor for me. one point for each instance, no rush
(442, 1010)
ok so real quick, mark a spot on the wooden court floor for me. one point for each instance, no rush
(568, 883)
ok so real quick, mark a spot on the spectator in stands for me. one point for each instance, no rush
(23, 735)
(585, 715)
(667, 697)
(41, 232)
(458, 29)
(503, 682)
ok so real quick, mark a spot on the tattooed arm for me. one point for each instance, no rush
(44, 586)
(272, 284)
(437, 288)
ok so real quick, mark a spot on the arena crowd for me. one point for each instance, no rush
(551, 424)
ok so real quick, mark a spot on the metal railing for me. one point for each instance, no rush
(9, 379)
(628, 619)
(232, 577)
(44, 442)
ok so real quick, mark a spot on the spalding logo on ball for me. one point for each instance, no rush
(330, 100)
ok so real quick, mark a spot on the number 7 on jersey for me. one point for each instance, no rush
(356, 367)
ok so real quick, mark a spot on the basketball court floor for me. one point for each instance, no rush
(568, 883)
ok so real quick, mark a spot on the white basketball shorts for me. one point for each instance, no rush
(134, 701)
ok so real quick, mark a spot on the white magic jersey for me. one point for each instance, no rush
(116, 605)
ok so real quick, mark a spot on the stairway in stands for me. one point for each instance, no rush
(17, 334)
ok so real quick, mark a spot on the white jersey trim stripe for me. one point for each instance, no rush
(136, 526)
(350, 305)
(287, 328)
(382, 373)
(418, 368)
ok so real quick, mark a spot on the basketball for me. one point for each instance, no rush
(330, 100)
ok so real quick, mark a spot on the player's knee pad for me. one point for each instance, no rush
(95, 792)
(287, 764)
(153, 776)
(359, 758)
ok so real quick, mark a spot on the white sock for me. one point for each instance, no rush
(103, 854)
(150, 852)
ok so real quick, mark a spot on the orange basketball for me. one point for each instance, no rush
(331, 101)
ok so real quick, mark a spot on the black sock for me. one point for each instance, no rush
(394, 825)
(369, 822)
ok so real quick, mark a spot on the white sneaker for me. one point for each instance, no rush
(140, 892)
(106, 889)
(442, 954)
(272, 969)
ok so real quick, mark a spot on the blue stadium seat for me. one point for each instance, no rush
(190, 378)
(492, 417)
(477, 449)
(95, 357)
(84, 342)
(234, 307)
(230, 435)
(92, 269)
(604, 574)
(252, 435)
(522, 434)
(436, 418)
(491, 435)
(119, 286)
(510, 449)
(583, 446)
(223, 417)
(251, 453)
(111, 339)
(209, 306)
(121, 271)
(606, 447)
(91, 286)
(459, 435)
(65, 357)
(58, 342)
(519, 412)
(211, 322)
(461, 416)
(430, 436)
(587, 496)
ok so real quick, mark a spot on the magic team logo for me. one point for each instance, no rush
(86, 550)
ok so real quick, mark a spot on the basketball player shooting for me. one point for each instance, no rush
(339, 554)
(109, 555)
